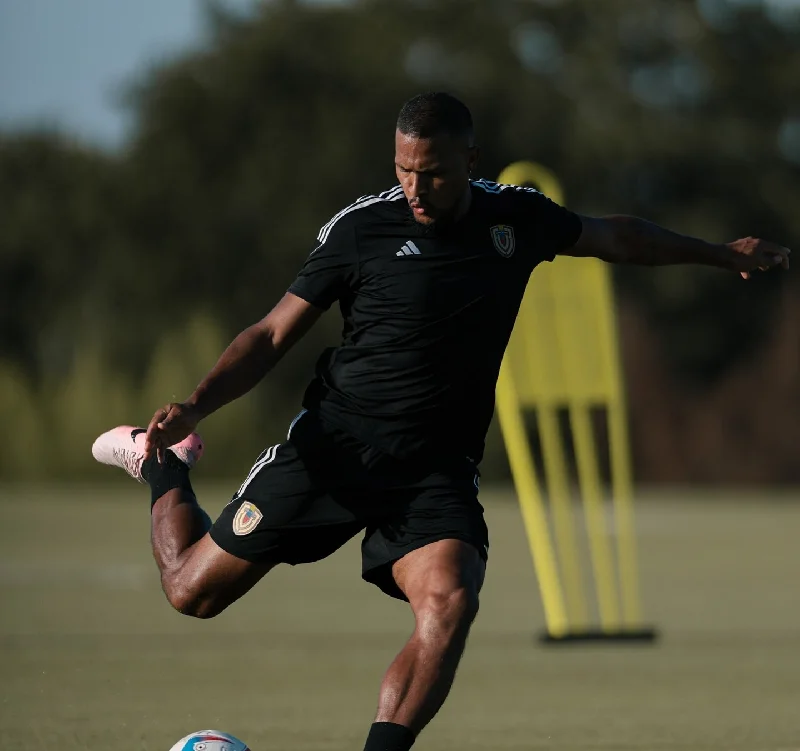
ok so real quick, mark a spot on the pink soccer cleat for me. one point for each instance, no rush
(124, 447)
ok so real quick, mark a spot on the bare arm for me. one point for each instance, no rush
(253, 353)
(248, 358)
(627, 239)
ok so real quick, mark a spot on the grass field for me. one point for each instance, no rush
(93, 657)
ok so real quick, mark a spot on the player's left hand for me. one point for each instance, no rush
(752, 254)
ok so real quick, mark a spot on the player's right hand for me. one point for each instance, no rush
(170, 425)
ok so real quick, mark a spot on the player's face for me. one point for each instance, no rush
(434, 173)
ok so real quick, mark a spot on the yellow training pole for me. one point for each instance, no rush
(592, 493)
(621, 472)
(533, 514)
(531, 173)
(560, 499)
(573, 362)
(622, 488)
(576, 341)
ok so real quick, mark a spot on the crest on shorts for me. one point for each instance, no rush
(246, 519)
(503, 239)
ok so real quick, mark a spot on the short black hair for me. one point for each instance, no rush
(436, 113)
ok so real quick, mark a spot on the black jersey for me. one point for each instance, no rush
(427, 313)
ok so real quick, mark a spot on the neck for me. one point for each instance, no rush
(463, 205)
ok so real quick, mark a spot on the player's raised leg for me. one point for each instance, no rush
(197, 576)
(441, 581)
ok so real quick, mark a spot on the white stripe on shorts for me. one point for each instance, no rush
(266, 457)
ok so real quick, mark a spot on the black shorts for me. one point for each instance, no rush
(305, 498)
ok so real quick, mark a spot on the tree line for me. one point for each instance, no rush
(123, 274)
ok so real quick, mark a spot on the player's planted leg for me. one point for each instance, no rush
(442, 582)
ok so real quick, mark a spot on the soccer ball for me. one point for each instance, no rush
(209, 740)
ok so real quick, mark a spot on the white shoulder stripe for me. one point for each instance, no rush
(389, 195)
(358, 200)
(336, 216)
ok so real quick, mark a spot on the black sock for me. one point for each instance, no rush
(173, 473)
(387, 736)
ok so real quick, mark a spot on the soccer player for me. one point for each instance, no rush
(429, 277)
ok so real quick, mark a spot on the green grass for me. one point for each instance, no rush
(93, 657)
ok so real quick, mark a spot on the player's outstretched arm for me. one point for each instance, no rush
(248, 358)
(627, 239)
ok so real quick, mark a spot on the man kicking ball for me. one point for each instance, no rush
(429, 277)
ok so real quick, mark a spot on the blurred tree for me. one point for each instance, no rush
(57, 226)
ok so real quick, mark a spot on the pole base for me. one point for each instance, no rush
(645, 635)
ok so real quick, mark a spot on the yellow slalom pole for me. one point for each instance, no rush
(591, 490)
(533, 513)
(572, 349)
(561, 504)
(530, 173)
(621, 479)
(578, 397)
(555, 465)
(623, 505)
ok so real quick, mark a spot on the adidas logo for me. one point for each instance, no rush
(409, 249)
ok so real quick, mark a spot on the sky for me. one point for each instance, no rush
(62, 62)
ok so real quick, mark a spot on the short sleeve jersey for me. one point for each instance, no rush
(427, 314)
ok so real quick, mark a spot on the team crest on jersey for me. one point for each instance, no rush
(503, 239)
(246, 519)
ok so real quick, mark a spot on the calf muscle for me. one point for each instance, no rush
(198, 577)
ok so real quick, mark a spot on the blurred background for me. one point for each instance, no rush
(164, 168)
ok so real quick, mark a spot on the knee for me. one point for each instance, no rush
(188, 601)
(447, 611)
